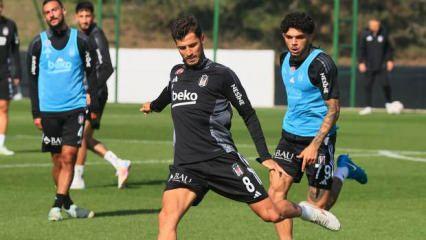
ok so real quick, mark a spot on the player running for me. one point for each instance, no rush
(10, 73)
(205, 157)
(57, 61)
(309, 126)
(84, 14)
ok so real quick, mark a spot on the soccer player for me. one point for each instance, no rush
(84, 14)
(309, 126)
(205, 157)
(57, 61)
(10, 72)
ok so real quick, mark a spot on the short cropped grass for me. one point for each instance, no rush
(391, 206)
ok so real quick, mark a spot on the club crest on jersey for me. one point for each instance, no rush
(203, 80)
(179, 71)
(5, 31)
(237, 170)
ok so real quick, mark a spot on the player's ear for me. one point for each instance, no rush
(202, 37)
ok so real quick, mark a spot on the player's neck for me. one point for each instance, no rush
(298, 60)
(59, 30)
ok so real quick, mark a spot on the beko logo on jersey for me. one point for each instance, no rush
(186, 97)
(324, 82)
(237, 94)
(60, 65)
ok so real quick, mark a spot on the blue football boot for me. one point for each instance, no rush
(354, 171)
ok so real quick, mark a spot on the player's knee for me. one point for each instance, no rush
(4, 108)
(168, 217)
(271, 216)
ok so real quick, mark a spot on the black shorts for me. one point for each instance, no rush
(96, 123)
(62, 129)
(320, 174)
(228, 175)
(6, 88)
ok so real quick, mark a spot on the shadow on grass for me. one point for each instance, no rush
(38, 150)
(126, 212)
(135, 184)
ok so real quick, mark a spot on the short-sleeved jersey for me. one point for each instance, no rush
(201, 99)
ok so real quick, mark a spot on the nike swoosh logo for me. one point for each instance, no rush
(352, 166)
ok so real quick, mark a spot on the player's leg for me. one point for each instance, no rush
(368, 78)
(346, 169)
(278, 211)
(231, 176)
(175, 203)
(78, 180)
(285, 155)
(4, 120)
(277, 193)
(184, 188)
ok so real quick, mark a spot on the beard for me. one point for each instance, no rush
(58, 26)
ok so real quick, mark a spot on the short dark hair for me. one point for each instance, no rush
(298, 20)
(180, 27)
(84, 5)
(58, 1)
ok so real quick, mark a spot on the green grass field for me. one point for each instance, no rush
(391, 206)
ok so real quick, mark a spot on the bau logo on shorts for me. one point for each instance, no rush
(284, 155)
(180, 177)
(52, 141)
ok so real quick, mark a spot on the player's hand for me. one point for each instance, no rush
(308, 156)
(389, 65)
(93, 116)
(273, 166)
(37, 123)
(146, 108)
(362, 67)
(16, 81)
(88, 99)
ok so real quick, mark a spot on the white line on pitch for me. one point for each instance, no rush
(241, 145)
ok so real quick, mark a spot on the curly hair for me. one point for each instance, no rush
(298, 20)
(180, 27)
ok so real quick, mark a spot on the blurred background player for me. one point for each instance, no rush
(10, 72)
(309, 126)
(85, 19)
(57, 61)
(375, 63)
(201, 93)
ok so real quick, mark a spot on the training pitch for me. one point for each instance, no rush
(392, 205)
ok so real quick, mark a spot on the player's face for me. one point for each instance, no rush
(191, 48)
(53, 13)
(296, 41)
(84, 19)
(374, 25)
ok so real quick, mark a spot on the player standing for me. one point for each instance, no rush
(10, 72)
(309, 126)
(57, 62)
(84, 14)
(205, 157)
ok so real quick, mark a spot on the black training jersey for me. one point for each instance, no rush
(9, 49)
(322, 73)
(103, 66)
(375, 49)
(201, 99)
